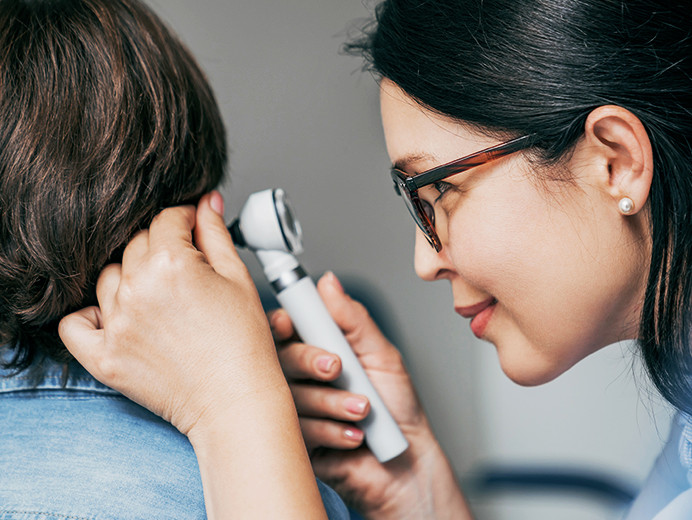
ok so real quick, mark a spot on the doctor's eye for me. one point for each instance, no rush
(441, 188)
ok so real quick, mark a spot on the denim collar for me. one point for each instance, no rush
(51, 375)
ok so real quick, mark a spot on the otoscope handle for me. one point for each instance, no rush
(315, 326)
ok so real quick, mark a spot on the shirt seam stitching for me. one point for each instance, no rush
(46, 513)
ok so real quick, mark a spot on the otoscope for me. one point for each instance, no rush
(267, 226)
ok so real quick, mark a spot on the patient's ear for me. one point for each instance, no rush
(623, 151)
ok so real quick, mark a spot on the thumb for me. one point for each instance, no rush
(351, 316)
(212, 237)
(82, 334)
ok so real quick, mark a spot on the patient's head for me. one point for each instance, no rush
(105, 119)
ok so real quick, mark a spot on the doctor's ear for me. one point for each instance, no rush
(623, 154)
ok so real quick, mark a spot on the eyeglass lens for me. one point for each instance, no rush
(422, 211)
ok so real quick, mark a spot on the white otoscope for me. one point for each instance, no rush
(267, 226)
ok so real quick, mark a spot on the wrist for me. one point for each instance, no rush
(235, 388)
(252, 449)
(429, 489)
(229, 411)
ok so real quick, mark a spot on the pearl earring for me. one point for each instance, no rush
(625, 205)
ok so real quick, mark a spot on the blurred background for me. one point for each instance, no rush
(303, 117)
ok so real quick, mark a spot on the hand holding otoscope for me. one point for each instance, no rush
(268, 227)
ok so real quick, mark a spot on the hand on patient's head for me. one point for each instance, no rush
(180, 328)
(106, 119)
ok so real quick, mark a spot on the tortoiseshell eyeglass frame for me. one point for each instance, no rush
(407, 185)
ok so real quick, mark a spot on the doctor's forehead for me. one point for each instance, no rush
(418, 138)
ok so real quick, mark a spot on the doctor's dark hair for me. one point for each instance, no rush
(105, 119)
(515, 67)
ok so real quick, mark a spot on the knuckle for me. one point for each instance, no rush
(393, 358)
(140, 236)
(305, 359)
(324, 402)
(106, 368)
(361, 321)
(165, 262)
(65, 327)
(361, 311)
(127, 290)
(317, 429)
(166, 213)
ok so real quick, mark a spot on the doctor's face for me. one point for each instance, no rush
(546, 271)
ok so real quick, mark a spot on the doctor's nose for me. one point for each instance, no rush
(429, 264)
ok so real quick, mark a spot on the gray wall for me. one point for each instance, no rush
(302, 117)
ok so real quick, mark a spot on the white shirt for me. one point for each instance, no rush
(667, 492)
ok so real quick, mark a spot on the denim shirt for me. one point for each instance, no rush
(72, 448)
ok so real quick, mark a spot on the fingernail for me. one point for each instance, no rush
(353, 434)
(334, 281)
(325, 363)
(216, 202)
(355, 404)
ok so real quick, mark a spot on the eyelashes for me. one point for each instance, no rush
(441, 187)
(436, 191)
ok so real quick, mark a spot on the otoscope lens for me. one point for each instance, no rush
(290, 227)
(289, 221)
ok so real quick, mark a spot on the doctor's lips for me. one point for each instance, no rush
(480, 315)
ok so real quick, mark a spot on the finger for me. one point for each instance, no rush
(301, 361)
(212, 237)
(171, 228)
(350, 315)
(82, 334)
(281, 325)
(136, 250)
(107, 287)
(325, 402)
(322, 433)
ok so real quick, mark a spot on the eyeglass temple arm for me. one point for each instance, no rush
(468, 162)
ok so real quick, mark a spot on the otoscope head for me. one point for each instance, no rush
(267, 222)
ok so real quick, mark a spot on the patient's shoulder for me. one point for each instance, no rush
(75, 448)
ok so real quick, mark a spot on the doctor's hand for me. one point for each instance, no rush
(401, 488)
(180, 330)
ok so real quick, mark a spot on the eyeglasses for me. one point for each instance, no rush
(423, 213)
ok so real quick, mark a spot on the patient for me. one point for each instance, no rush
(105, 119)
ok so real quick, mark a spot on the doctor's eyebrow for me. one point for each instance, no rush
(405, 162)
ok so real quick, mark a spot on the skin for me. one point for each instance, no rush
(418, 484)
(560, 259)
(180, 330)
(566, 267)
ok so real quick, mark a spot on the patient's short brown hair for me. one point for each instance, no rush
(105, 119)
